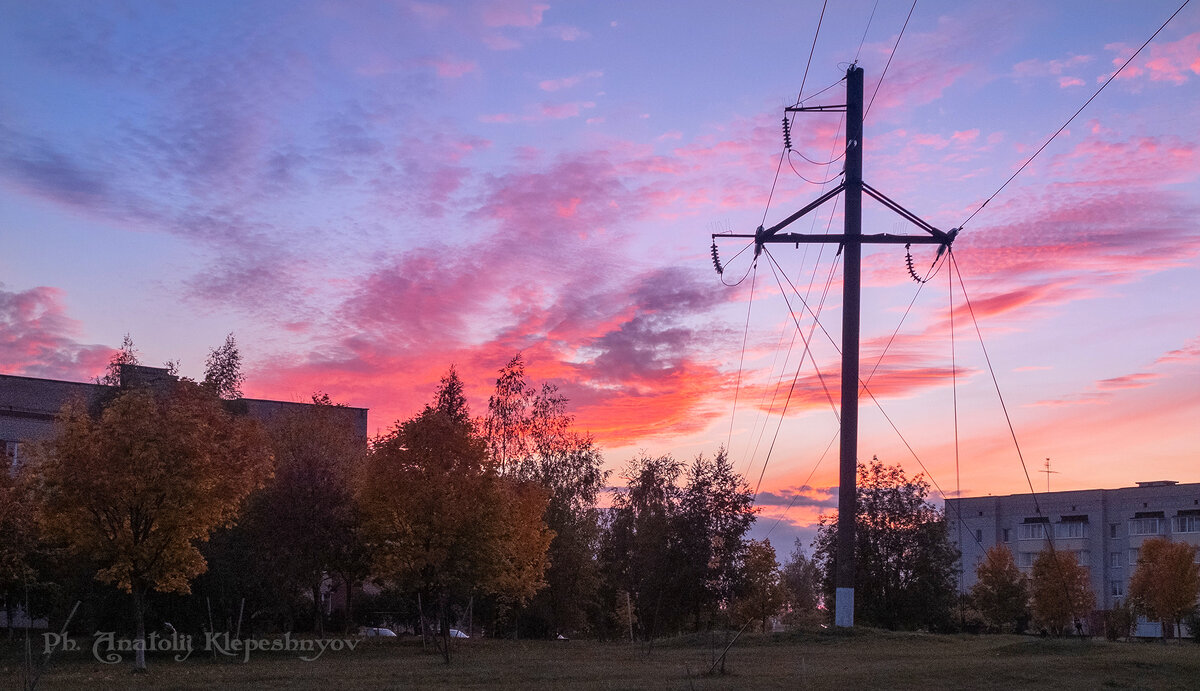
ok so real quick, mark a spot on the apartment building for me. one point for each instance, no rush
(1105, 528)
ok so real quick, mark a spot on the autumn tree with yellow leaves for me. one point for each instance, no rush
(1166, 582)
(1061, 590)
(441, 521)
(138, 486)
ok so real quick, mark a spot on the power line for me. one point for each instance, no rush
(783, 153)
(741, 359)
(1111, 77)
(889, 60)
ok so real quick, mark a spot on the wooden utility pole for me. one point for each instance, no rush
(851, 241)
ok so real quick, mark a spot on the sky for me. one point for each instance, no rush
(366, 194)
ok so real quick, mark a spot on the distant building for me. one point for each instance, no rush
(1104, 528)
(29, 405)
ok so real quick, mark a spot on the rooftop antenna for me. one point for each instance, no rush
(1048, 473)
(851, 240)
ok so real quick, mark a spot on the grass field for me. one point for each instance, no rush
(863, 659)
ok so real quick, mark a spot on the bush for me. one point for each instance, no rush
(1193, 623)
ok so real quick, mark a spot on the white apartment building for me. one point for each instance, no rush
(1103, 527)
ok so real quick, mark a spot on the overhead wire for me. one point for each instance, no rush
(1046, 526)
(868, 28)
(889, 60)
(741, 359)
(803, 80)
(1057, 132)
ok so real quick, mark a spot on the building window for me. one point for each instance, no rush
(1112, 530)
(1114, 560)
(1083, 556)
(979, 536)
(1187, 524)
(1025, 559)
(1071, 529)
(1007, 535)
(1117, 589)
(1133, 557)
(1032, 531)
(1147, 526)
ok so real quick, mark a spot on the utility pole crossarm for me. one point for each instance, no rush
(940, 235)
(839, 108)
(796, 216)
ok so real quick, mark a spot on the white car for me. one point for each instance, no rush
(376, 632)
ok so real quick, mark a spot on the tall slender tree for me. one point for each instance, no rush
(530, 438)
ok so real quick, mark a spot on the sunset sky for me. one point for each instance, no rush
(365, 193)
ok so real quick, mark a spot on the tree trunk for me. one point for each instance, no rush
(349, 618)
(318, 620)
(139, 611)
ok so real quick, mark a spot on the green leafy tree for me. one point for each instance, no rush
(1166, 582)
(1001, 591)
(138, 488)
(761, 593)
(440, 521)
(223, 370)
(715, 512)
(1061, 590)
(801, 581)
(641, 551)
(905, 564)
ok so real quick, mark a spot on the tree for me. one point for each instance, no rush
(1061, 591)
(18, 539)
(801, 582)
(441, 521)
(1001, 591)
(529, 438)
(641, 552)
(716, 510)
(136, 489)
(306, 519)
(126, 355)
(761, 594)
(223, 370)
(1166, 582)
(905, 563)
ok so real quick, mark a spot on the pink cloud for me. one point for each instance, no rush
(566, 82)
(1049, 68)
(1190, 351)
(519, 13)
(541, 112)
(1167, 62)
(37, 338)
(452, 68)
(500, 42)
(1129, 381)
(1067, 82)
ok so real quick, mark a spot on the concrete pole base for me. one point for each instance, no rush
(843, 608)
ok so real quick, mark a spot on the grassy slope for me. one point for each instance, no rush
(861, 660)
